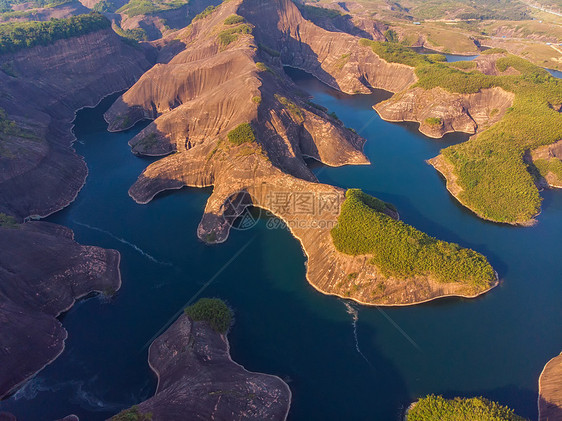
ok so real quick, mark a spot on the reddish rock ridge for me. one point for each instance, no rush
(550, 391)
(333, 57)
(204, 90)
(42, 272)
(40, 89)
(197, 379)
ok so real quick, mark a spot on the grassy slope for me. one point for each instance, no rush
(399, 249)
(490, 168)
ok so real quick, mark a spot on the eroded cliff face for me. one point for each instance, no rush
(550, 390)
(206, 89)
(333, 57)
(439, 111)
(42, 272)
(40, 89)
(197, 379)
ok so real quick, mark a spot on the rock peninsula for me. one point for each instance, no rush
(43, 271)
(197, 379)
(550, 390)
(224, 78)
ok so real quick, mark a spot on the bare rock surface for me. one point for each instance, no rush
(550, 390)
(197, 380)
(40, 89)
(43, 271)
(468, 113)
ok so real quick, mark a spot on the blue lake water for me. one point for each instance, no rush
(494, 346)
(555, 73)
(452, 58)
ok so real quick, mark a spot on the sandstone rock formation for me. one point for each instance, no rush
(550, 390)
(468, 113)
(42, 273)
(197, 379)
(42, 270)
(198, 93)
(40, 89)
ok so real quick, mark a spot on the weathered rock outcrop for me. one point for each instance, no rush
(40, 89)
(42, 270)
(206, 90)
(550, 390)
(197, 379)
(440, 112)
(333, 57)
(42, 273)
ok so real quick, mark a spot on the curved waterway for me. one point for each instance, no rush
(341, 360)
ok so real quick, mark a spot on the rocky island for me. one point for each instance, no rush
(197, 378)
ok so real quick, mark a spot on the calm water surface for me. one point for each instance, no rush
(493, 346)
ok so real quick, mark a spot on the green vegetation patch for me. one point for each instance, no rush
(262, 67)
(272, 52)
(230, 35)
(494, 51)
(243, 133)
(233, 20)
(290, 106)
(495, 180)
(399, 249)
(552, 165)
(7, 221)
(208, 10)
(104, 6)
(211, 310)
(342, 61)
(433, 121)
(132, 414)
(391, 36)
(133, 34)
(313, 12)
(17, 36)
(10, 128)
(147, 7)
(6, 5)
(397, 53)
(464, 65)
(436, 408)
